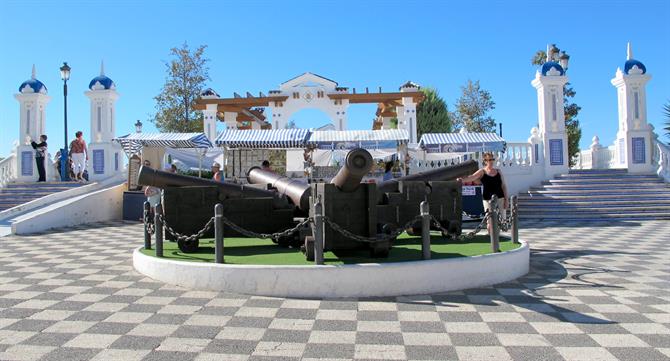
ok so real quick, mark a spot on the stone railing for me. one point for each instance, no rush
(517, 157)
(7, 169)
(661, 156)
(596, 157)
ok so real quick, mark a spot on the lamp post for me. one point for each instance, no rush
(64, 174)
(138, 126)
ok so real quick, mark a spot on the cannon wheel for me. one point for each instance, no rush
(309, 248)
(188, 246)
(380, 250)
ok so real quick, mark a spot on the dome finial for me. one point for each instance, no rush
(102, 68)
(34, 74)
(629, 52)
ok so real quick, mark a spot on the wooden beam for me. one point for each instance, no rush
(377, 97)
(240, 102)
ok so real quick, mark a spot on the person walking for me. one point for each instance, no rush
(40, 154)
(79, 155)
(493, 182)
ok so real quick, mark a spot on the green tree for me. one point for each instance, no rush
(473, 107)
(291, 125)
(432, 115)
(186, 74)
(570, 109)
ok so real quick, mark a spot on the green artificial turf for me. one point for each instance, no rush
(263, 252)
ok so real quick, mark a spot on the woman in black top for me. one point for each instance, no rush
(40, 153)
(493, 182)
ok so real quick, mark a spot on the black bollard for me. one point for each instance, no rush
(147, 235)
(495, 228)
(318, 233)
(158, 229)
(515, 219)
(425, 230)
(218, 232)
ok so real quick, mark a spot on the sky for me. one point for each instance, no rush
(256, 45)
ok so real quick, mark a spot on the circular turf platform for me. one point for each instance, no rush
(345, 280)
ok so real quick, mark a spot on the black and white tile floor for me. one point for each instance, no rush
(593, 293)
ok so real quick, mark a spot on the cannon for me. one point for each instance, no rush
(350, 204)
(439, 174)
(298, 192)
(188, 204)
(399, 198)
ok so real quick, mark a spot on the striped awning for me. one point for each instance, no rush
(133, 142)
(263, 138)
(462, 142)
(350, 139)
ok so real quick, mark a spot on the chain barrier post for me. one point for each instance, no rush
(515, 219)
(425, 229)
(158, 224)
(495, 227)
(318, 232)
(218, 232)
(145, 217)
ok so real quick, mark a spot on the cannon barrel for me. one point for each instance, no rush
(152, 177)
(356, 165)
(441, 174)
(295, 190)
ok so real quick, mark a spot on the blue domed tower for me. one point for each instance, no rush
(105, 154)
(549, 82)
(33, 99)
(633, 144)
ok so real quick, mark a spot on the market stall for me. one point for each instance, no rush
(327, 149)
(152, 147)
(248, 148)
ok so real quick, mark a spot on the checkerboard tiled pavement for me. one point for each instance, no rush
(592, 294)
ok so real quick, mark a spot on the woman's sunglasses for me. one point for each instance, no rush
(489, 160)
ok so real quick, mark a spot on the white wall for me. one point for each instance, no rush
(98, 206)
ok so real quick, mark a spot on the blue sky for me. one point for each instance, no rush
(256, 45)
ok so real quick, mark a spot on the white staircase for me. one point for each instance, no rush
(15, 194)
(598, 195)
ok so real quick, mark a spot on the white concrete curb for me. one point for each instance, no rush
(358, 280)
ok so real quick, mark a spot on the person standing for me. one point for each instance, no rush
(79, 155)
(217, 174)
(493, 183)
(388, 171)
(40, 154)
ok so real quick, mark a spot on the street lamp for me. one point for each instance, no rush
(563, 59)
(64, 174)
(138, 126)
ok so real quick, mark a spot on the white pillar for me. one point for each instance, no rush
(33, 100)
(407, 113)
(634, 137)
(549, 83)
(105, 156)
(209, 122)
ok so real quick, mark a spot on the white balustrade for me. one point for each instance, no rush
(661, 156)
(7, 169)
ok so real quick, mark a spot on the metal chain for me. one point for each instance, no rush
(252, 234)
(151, 228)
(381, 238)
(461, 237)
(181, 237)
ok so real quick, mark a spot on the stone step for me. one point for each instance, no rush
(650, 180)
(540, 206)
(577, 183)
(627, 216)
(605, 176)
(44, 184)
(599, 210)
(598, 171)
(602, 187)
(624, 189)
(589, 198)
